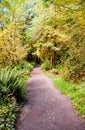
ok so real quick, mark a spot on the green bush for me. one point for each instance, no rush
(12, 91)
(74, 72)
(24, 65)
(46, 65)
(10, 84)
(7, 117)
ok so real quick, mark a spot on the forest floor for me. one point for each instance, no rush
(46, 108)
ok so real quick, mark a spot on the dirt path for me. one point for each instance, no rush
(47, 108)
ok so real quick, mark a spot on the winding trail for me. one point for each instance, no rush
(46, 108)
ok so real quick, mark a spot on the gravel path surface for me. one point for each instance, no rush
(46, 107)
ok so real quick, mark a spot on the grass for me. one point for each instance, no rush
(76, 92)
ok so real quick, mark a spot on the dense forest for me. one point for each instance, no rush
(46, 32)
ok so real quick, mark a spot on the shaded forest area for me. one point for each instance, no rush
(46, 32)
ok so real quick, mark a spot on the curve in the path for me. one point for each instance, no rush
(47, 108)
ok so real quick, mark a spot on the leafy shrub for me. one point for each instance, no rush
(10, 84)
(23, 65)
(12, 91)
(11, 48)
(46, 65)
(74, 72)
(7, 117)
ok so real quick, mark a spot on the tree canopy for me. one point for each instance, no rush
(51, 30)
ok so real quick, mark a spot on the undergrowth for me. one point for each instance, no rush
(12, 92)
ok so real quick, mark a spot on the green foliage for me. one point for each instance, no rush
(46, 65)
(57, 34)
(24, 65)
(12, 92)
(41, 29)
(10, 85)
(7, 117)
(13, 11)
(24, 68)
